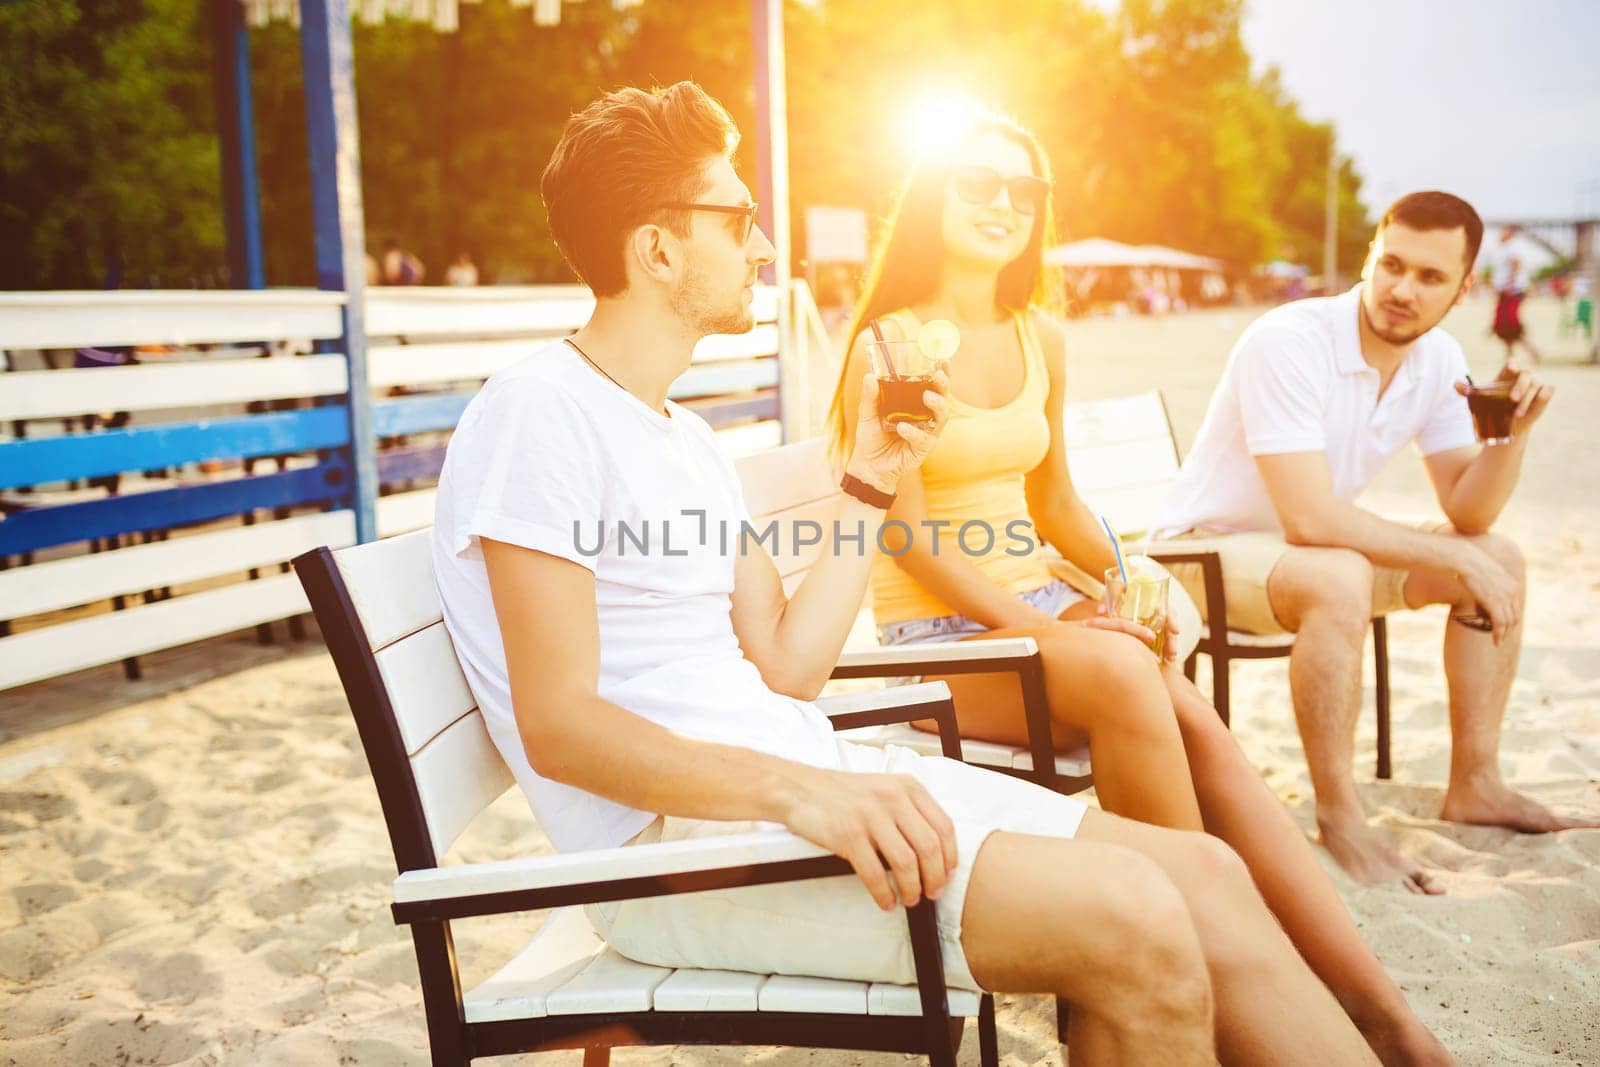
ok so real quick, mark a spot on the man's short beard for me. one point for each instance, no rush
(1389, 336)
(691, 303)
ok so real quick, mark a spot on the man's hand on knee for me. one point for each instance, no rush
(1492, 588)
(863, 817)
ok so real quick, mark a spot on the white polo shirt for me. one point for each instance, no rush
(1296, 382)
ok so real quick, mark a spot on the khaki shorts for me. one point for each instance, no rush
(830, 927)
(1248, 560)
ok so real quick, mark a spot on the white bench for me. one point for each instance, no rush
(436, 768)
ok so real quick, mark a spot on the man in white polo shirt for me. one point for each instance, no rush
(1316, 397)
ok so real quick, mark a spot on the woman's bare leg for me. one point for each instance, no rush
(1107, 686)
(1240, 809)
(1270, 1008)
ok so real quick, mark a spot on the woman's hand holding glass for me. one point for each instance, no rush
(885, 452)
(1102, 620)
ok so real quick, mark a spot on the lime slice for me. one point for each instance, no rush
(938, 339)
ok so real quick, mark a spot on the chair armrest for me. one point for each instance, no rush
(951, 657)
(625, 873)
(984, 656)
(1216, 604)
(902, 703)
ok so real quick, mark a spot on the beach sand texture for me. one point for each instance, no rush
(194, 870)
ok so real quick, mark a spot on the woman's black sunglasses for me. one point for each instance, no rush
(977, 185)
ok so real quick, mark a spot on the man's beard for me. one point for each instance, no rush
(1393, 337)
(693, 305)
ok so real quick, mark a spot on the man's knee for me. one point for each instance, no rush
(1224, 904)
(1146, 949)
(1332, 584)
(1505, 552)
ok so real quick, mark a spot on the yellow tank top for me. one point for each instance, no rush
(976, 473)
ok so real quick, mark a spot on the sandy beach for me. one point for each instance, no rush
(194, 869)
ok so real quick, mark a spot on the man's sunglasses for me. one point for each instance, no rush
(746, 224)
(977, 185)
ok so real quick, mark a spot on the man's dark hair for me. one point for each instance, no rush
(1433, 210)
(618, 161)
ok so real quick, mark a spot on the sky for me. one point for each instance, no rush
(1497, 101)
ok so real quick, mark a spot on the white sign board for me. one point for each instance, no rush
(836, 235)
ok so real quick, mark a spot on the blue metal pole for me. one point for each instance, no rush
(327, 58)
(236, 128)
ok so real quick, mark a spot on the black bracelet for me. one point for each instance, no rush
(865, 493)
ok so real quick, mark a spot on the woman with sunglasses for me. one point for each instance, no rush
(965, 243)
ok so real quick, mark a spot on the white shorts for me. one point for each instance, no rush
(830, 927)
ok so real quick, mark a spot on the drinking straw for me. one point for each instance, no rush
(888, 356)
(1469, 382)
(1116, 546)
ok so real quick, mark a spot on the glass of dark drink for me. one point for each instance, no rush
(904, 373)
(1492, 408)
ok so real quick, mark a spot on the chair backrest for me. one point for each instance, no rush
(1123, 457)
(430, 753)
(791, 486)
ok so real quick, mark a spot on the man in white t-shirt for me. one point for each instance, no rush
(643, 673)
(1316, 397)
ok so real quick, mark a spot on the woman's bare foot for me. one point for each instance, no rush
(1367, 858)
(1499, 805)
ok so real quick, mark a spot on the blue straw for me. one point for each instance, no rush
(1116, 546)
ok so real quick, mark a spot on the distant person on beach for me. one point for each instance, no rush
(462, 271)
(1508, 276)
(401, 267)
(965, 244)
(1316, 397)
(654, 697)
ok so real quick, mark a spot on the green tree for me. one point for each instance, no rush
(1157, 130)
(107, 156)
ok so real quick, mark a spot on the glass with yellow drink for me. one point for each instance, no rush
(1142, 598)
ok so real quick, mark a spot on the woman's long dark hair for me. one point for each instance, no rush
(905, 264)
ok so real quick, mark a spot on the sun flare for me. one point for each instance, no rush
(934, 124)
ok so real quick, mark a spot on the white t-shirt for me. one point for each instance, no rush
(1296, 382)
(553, 457)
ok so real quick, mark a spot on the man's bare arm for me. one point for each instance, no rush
(1473, 484)
(1301, 489)
(548, 623)
(795, 641)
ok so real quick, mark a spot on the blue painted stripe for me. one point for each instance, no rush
(35, 528)
(409, 464)
(89, 455)
(727, 412)
(710, 379)
(418, 414)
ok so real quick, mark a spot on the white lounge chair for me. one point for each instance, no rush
(436, 768)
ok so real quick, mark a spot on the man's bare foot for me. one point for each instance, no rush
(1500, 805)
(1366, 857)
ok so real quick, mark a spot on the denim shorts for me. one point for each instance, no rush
(1052, 599)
